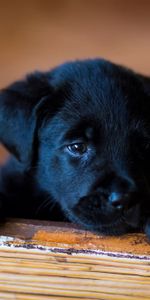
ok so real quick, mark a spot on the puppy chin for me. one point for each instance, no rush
(132, 216)
(127, 221)
(117, 227)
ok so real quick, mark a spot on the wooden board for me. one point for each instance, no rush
(48, 260)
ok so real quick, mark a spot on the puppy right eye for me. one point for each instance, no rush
(77, 148)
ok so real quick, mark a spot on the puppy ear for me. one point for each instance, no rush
(146, 84)
(18, 106)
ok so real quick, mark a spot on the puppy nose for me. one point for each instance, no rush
(118, 200)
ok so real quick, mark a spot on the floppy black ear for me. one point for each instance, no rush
(146, 83)
(18, 105)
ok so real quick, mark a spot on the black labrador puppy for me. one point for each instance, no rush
(79, 136)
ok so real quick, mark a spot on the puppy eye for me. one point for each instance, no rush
(78, 148)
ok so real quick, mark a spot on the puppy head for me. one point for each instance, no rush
(86, 127)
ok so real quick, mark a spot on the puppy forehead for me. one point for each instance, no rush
(94, 111)
(93, 94)
(84, 114)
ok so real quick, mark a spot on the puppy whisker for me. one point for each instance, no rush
(47, 203)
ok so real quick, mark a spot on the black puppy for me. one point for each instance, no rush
(80, 142)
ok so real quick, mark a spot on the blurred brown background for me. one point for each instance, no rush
(39, 34)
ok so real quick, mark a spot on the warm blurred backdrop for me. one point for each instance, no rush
(39, 34)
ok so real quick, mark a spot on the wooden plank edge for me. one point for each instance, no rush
(66, 238)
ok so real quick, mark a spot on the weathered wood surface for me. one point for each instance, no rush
(48, 260)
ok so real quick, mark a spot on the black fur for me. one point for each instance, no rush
(79, 136)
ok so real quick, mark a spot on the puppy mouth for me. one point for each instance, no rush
(109, 223)
(117, 227)
(132, 215)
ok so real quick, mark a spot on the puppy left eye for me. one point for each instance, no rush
(78, 148)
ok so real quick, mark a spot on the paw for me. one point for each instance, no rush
(147, 228)
(2, 202)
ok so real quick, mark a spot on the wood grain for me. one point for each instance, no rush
(48, 260)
